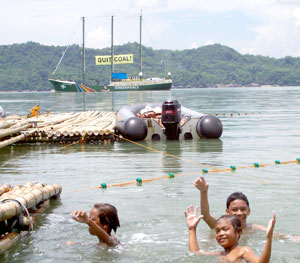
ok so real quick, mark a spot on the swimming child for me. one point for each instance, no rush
(102, 220)
(228, 231)
(237, 204)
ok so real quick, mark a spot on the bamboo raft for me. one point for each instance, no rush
(63, 128)
(19, 207)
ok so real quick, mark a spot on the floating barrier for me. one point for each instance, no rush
(139, 181)
(19, 205)
(234, 114)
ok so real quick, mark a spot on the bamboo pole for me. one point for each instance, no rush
(29, 196)
(65, 130)
(7, 124)
(54, 124)
(11, 238)
(7, 132)
(15, 139)
(4, 188)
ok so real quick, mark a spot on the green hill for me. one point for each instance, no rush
(28, 66)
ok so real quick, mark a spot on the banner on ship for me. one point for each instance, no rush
(118, 59)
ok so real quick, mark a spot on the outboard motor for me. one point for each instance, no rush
(170, 118)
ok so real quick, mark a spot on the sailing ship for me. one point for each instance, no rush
(118, 81)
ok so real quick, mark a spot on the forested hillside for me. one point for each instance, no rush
(28, 66)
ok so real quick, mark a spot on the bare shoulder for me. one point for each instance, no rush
(249, 255)
(247, 249)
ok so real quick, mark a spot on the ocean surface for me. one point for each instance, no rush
(260, 125)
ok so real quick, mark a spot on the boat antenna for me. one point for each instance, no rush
(83, 52)
(64, 52)
(141, 66)
(163, 58)
(112, 46)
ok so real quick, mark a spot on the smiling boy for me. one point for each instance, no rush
(237, 204)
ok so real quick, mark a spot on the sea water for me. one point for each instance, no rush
(260, 125)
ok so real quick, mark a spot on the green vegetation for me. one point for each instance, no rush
(28, 66)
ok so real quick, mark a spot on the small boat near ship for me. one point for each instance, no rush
(118, 82)
(169, 120)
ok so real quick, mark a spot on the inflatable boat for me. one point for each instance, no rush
(169, 120)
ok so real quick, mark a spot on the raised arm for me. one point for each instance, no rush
(266, 254)
(202, 186)
(192, 221)
(82, 217)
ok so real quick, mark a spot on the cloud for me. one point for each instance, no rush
(194, 45)
(268, 27)
(208, 43)
(296, 16)
(98, 38)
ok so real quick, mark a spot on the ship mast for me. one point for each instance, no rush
(112, 46)
(141, 67)
(83, 53)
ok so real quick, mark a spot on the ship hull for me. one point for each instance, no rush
(72, 86)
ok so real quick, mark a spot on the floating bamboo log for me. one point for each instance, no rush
(65, 127)
(16, 139)
(11, 238)
(7, 124)
(28, 195)
(4, 188)
(11, 131)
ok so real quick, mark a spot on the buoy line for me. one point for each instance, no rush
(139, 181)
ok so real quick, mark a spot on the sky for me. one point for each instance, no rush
(259, 27)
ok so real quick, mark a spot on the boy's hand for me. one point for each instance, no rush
(270, 227)
(80, 216)
(201, 184)
(191, 218)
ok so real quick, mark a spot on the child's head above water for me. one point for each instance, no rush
(237, 204)
(235, 222)
(228, 230)
(236, 195)
(106, 216)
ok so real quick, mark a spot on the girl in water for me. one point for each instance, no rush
(102, 220)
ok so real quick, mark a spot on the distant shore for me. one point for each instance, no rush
(175, 87)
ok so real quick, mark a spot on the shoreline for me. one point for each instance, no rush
(173, 88)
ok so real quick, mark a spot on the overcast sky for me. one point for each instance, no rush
(259, 27)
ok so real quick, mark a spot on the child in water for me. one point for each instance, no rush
(102, 220)
(228, 231)
(237, 204)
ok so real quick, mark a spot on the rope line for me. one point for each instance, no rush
(233, 114)
(166, 154)
(139, 181)
(82, 140)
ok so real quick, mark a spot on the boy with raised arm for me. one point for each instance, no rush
(228, 231)
(237, 204)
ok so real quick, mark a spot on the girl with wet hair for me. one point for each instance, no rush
(103, 218)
